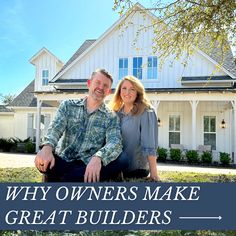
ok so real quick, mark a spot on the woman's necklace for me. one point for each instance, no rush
(127, 109)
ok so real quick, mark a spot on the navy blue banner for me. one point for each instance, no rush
(117, 206)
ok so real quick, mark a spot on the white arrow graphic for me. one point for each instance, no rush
(200, 217)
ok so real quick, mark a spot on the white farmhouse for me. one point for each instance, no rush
(196, 104)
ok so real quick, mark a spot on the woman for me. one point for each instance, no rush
(138, 127)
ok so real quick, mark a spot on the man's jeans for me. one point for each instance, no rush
(74, 171)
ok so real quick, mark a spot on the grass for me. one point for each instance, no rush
(195, 177)
(26, 174)
(32, 175)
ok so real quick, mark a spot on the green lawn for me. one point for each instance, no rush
(26, 174)
(32, 175)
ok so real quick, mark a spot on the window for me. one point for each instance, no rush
(137, 67)
(32, 125)
(152, 68)
(209, 123)
(174, 129)
(45, 76)
(45, 121)
(123, 67)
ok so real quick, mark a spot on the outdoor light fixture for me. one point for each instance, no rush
(159, 122)
(223, 124)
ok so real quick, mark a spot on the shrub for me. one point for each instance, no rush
(175, 154)
(21, 144)
(225, 158)
(20, 147)
(6, 144)
(162, 154)
(206, 157)
(192, 156)
(2, 140)
(30, 147)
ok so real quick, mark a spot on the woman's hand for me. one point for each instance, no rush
(154, 177)
(152, 160)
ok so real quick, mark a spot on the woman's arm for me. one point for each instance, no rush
(152, 160)
(149, 141)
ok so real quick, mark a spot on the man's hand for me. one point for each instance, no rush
(92, 173)
(44, 159)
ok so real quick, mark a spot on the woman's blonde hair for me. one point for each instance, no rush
(141, 102)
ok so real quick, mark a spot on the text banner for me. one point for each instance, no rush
(117, 206)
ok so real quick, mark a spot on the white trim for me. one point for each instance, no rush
(33, 58)
(31, 108)
(149, 81)
(201, 130)
(207, 81)
(194, 105)
(181, 126)
(78, 83)
(43, 78)
(6, 113)
(234, 128)
(38, 121)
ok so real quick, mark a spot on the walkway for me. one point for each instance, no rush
(15, 160)
(185, 168)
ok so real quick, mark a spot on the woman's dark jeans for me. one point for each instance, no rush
(127, 173)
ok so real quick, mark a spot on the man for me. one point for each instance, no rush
(91, 138)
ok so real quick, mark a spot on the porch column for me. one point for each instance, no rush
(194, 123)
(234, 128)
(155, 105)
(38, 121)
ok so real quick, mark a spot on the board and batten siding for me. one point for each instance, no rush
(119, 43)
(45, 62)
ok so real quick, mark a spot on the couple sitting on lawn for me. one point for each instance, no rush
(98, 144)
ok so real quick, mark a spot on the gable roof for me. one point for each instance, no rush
(226, 63)
(86, 44)
(3, 108)
(26, 98)
(229, 65)
(229, 62)
(40, 52)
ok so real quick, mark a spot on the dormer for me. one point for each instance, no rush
(47, 66)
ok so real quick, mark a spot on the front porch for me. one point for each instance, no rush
(190, 118)
(195, 118)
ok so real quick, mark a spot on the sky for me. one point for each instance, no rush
(61, 26)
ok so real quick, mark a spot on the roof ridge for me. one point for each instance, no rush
(87, 43)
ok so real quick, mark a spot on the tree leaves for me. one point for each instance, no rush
(183, 24)
(7, 99)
